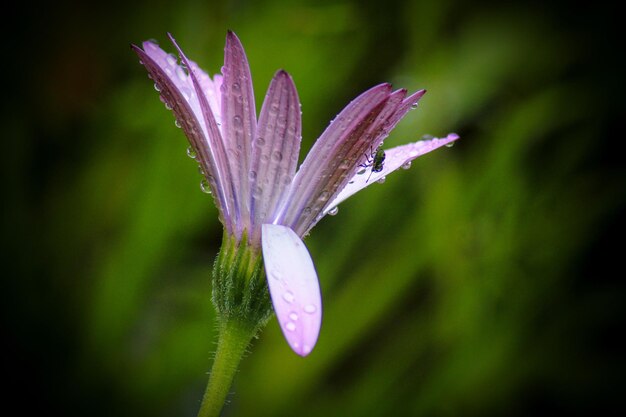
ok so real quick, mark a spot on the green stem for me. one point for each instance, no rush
(234, 338)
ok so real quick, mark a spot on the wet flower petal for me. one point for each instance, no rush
(395, 158)
(213, 155)
(238, 122)
(293, 285)
(331, 156)
(274, 150)
(177, 91)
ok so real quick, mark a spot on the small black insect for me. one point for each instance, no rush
(376, 160)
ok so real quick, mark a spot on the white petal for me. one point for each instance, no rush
(395, 158)
(293, 285)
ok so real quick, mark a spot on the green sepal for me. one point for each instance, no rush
(240, 290)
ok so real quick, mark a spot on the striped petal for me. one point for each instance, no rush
(238, 122)
(214, 153)
(369, 141)
(293, 286)
(331, 158)
(275, 150)
(177, 91)
(395, 158)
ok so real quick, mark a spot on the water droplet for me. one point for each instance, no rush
(427, 137)
(288, 296)
(260, 141)
(252, 175)
(406, 165)
(361, 171)
(258, 192)
(414, 106)
(450, 144)
(236, 87)
(306, 211)
(237, 121)
(177, 123)
(381, 180)
(156, 87)
(191, 153)
(168, 106)
(310, 308)
(306, 349)
(205, 187)
(291, 326)
(333, 211)
(293, 316)
(201, 170)
(277, 156)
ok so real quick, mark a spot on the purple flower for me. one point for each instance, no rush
(251, 165)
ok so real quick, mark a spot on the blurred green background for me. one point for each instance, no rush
(484, 281)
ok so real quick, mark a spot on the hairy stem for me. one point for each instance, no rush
(234, 338)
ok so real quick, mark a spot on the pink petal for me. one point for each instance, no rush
(275, 150)
(293, 286)
(214, 154)
(395, 158)
(331, 158)
(177, 91)
(238, 121)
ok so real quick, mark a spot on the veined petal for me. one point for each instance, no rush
(212, 157)
(331, 157)
(178, 92)
(275, 150)
(238, 122)
(293, 286)
(212, 89)
(395, 158)
(407, 104)
(396, 108)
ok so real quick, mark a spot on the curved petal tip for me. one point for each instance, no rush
(293, 286)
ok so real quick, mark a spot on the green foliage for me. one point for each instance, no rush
(467, 285)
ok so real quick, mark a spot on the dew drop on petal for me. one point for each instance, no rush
(306, 349)
(277, 156)
(177, 123)
(414, 106)
(450, 144)
(291, 326)
(333, 211)
(205, 187)
(252, 175)
(381, 180)
(361, 171)
(201, 170)
(310, 309)
(293, 316)
(156, 87)
(191, 153)
(406, 165)
(260, 141)
(288, 296)
(237, 121)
